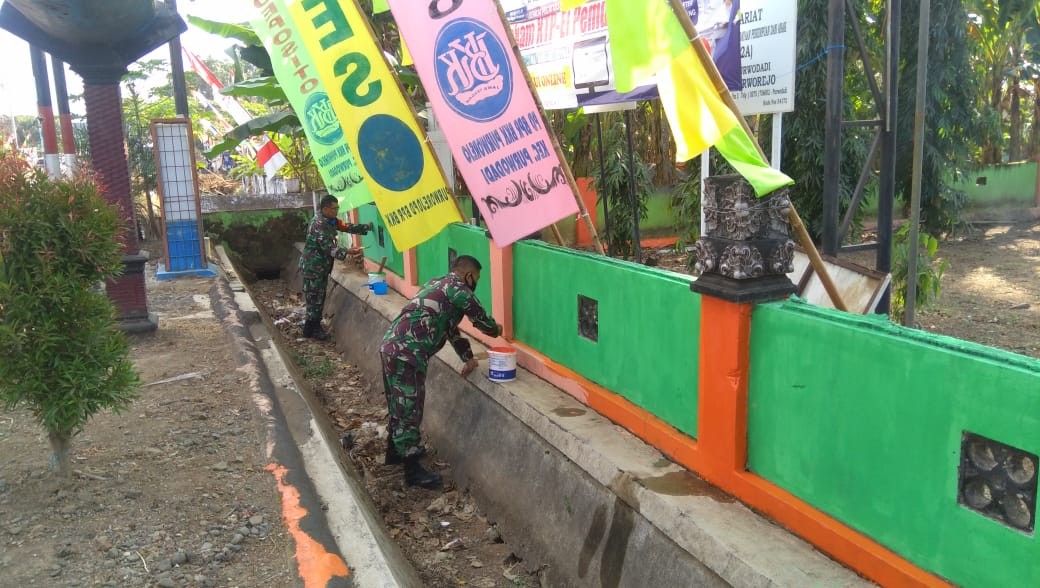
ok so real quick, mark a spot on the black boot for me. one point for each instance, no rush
(416, 475)
(392, 457)
(313, 330)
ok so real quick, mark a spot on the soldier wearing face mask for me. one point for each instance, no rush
(424, 325)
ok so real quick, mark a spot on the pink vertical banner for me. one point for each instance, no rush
(488, 114)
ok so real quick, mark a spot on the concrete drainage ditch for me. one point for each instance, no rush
(544, 491)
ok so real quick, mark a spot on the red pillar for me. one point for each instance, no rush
(105, 130)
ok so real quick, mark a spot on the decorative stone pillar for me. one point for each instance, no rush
(745, 252)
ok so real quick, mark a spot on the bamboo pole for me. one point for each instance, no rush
(584, 212)
(727, 98)
(913, 244)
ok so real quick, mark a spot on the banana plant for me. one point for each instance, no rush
(264, 87)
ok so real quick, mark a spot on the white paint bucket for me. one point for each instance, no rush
(375, 278)
(501, 364)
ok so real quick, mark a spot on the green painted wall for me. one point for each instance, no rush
(863, 419)
(374, 251)
(432, 256)
(649, 326)
(1013, 184)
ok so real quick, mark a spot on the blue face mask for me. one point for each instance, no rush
(331, 221)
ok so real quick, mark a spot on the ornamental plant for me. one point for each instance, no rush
(62, 355)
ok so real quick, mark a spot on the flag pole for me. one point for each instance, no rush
(584, 212)
(727, 98)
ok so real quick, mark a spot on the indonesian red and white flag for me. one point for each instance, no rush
(268, 156)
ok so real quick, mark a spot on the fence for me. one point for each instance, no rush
(848, 430)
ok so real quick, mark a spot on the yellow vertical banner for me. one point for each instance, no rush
(378, 121)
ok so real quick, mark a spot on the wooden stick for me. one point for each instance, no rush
(382, 264)
(584, 213)
(727, 98)
(559, 237)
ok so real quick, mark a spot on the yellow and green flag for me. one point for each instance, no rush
(310, 101)
(378, 122)
(646, 40)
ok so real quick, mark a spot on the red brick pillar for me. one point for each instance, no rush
(108, 154)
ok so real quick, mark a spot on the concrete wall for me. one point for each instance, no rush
(863, 419)
(551, 510)
(1005, 185)
(373, 249)
(844, 429)
(648, 326)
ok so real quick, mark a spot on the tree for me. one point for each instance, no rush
(255, 81)
(62, 355)
(613, 183)
(952, 124)
(804, 128)
(1004, 37)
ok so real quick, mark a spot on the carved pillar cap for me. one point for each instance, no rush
(746, 251)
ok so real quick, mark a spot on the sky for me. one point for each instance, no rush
(17, 89)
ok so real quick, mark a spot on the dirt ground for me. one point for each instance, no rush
(991, 288)
(171, 493)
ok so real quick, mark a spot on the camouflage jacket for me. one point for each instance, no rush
(432, 318)
(321, 247)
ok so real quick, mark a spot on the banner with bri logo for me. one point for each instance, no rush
(488, 113)
(308, 98)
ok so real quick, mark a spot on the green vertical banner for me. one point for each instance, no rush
(298, 75)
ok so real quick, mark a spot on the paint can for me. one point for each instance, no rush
(376, 278)
(380, 288)
(501, 364)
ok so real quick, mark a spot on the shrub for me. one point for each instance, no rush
(929, 270)
(62, 355)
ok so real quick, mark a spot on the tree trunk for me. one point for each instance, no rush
(1034, 139)
(60, 446)
(1015, 111)
(991, 154)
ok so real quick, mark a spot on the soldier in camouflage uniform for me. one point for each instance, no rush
(316, 263)
(427, 322)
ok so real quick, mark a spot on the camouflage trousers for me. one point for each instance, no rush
(405, 388)
(314, 296)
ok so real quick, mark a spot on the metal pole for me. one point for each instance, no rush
(832, 134)
(778, 128)
(180, 91)
(887, 180)
(915, 190)
(600, 192)
(636, 245)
